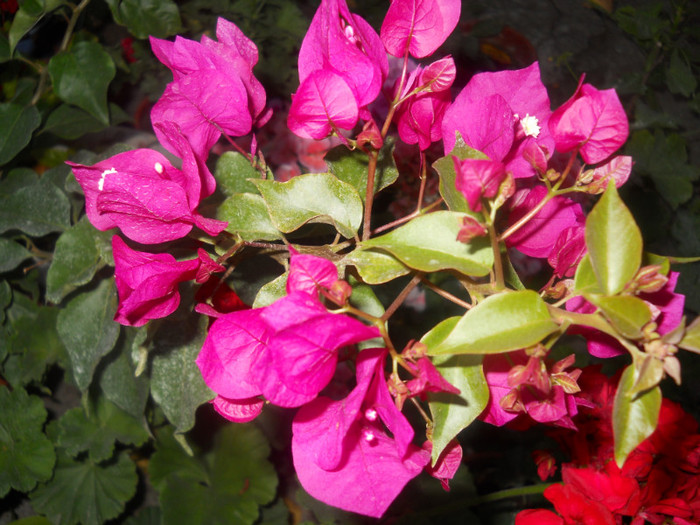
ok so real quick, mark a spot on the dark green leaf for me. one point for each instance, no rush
(679, 76)
(5, 54)
(86, 492)
(88, 331)
(75, 260)
(27, 455)
(446, 170)
(81, 77)
(159, 18)
(634, 418)
(29, 13)
(68, 122)
(501, 323)
(248, 217)
(429, 243)
(98, 431)
(18, 124)
(176, 382)
(376, 267)
(314, 197)
(240, 480)
(11, 254)
(5, 301)
(170, 460)
(614, 242)
(36, 210)
(352, 167)
(232, 173)
(454, 412)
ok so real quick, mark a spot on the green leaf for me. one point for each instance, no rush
(446, 170)
(232, 173)
(501, 323)
(627, 314)
(248, 217)
(585, 280)
(36, 210)
(634, 418)
(18, 124)
(5, 301)
(29, 13)
(81, 77)
(68, 122)
(159, 18)
(11, 254)
(614, 242)
(27, 455)
(98, 431)
(87, 328)
(352, 167)
(454, 412)
(270, 292)
(691, 338)
(170, 460)
(429, 243)
(75, 260)
(5, 54)
(176, 382)
(314, 197)
(376, 267)
(239, 480)
(86, 492)
(679, 76)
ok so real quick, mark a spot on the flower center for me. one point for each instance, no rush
(159, 168)
(531, 125)
(371, 414)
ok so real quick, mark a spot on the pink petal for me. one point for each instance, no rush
(440, 75)
(447, 464)
(618, 169)
(419, 119)
(238, 410)
(323, 101)
(308, 272)
(419, 26)
(478, 178)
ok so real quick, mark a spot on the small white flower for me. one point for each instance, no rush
(531, 126)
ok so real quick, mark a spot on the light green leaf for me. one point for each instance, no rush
(27, 455)
(270, 292)
(614, 242)
(98, 431)
(159, 18)
(86, 492)
(239, 480)
(446, 170)
(87, 329)
(18, 124)
(429, 243)
(634, 418)
(314, 197)
(691, 338)
(11, 254)
(81, 77)
(176, 382)
(248, 217)
(501, 323)
(454, 412)
(585, 280)
(76, 259)
(376, 267)
(232, 173)
(627, 314)
(353, 166)
(37, 209)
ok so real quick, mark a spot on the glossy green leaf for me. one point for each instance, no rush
(247, 216)
(232, 173)
(446, 170)
(585, 280)
(86, 492)
(81, 77)
(18, 124)
(176, 382)
(314, 197)
(11, 254)
(159, 18)
(75, 260)
(87, 329)
(26, 455)
(36, 209)
(628, 314)
(69, 122)
(98, 431)
(634, 418)
(28, 14)
(454, 412)
(376, 267)
(501, 323)
(429, 243)
(614, 242)
(239, 480)
(352, 167)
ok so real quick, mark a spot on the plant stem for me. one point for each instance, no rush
(447, 295)
(526, 218)
(497, 261)
(402, 296)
